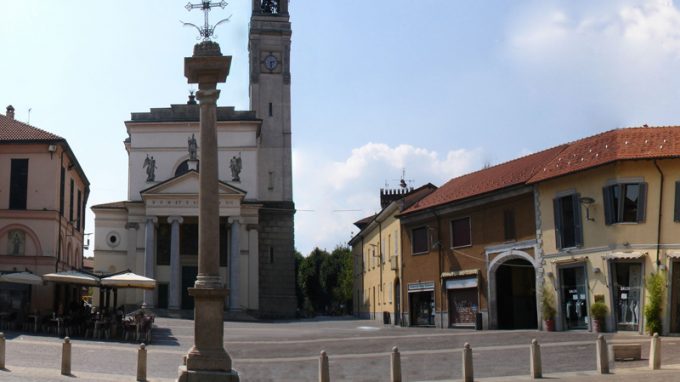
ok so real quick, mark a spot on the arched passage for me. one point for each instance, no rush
(512, 291)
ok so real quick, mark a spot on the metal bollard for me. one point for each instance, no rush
(66, 357)
(468, 372)
(395, 363)
(324, 374)
(141, 363)
(655, 352)
(601, 355)
(2, 350)
(535, 360)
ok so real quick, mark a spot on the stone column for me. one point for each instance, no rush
(174, 289)
(234, 266)
(149, 249)
(207, 360)
(131, 260)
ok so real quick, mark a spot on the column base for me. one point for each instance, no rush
(186, 375)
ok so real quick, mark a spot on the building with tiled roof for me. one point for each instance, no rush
(602, 214)
(43, 195)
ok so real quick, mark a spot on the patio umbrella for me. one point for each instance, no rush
(128, 280)
(73, 277)
(21, 278)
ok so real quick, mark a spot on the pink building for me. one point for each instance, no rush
(43, 194)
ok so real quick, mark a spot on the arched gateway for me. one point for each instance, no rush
(512, 291)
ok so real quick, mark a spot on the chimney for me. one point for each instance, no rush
(10, 112)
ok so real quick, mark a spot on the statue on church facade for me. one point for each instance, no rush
(150, 165)
(235, 165)
(270, 6)
(193, 147)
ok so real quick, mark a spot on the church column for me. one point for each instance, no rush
(131, 260)
(149, 249)
(234, 265)
(174, 290)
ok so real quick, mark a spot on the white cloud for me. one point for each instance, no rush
(331, 195)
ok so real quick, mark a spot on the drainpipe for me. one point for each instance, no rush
(439, 273)
(658, 225)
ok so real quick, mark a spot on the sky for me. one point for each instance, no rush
(429, 89)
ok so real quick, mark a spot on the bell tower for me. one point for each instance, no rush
(269, 57)
(269, 50)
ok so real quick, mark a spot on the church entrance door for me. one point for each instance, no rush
(188, 279)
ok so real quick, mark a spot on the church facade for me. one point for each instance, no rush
(155, 231)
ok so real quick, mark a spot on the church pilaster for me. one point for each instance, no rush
(174, 288)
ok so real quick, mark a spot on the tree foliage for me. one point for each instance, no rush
(324, 282)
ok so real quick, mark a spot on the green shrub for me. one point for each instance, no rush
(598, 311)
(548, 304)
(656, 284)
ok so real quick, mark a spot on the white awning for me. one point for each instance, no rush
(625, 255)
(461, 283)
(464, 272)
(673, 255)
(129, 280)
(21, 278)
(72, 277)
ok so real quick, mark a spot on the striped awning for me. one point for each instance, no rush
(625, 255)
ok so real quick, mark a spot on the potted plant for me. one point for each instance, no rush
(548, 309)
(598, 312)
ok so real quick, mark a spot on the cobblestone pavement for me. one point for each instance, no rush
(358, 351)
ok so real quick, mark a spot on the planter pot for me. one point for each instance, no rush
(549, 325)
(598, 326)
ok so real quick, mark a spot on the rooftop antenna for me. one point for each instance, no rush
(29, 116)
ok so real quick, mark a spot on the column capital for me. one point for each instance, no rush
(178, 219)
(234, 219)
(151, 219)
(208, 95)
(134, 226)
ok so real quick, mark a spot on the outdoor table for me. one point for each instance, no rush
(58, 320)
(98, 324)
(35, 318)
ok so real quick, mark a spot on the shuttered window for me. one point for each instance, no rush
(419, 240)
(568, 226)
(18, 184)
(625, 203)
(460, 232)
(676, 215)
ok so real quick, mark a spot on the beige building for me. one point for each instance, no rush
(376, 251)
(609, 216)
(43, 193)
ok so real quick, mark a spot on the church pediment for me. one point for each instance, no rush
(187, 184)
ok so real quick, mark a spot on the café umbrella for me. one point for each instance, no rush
(73, 277)
(21, 278)
(128, 280)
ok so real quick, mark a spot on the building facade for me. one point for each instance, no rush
(42, 212)
(155, 231)
(376, 251)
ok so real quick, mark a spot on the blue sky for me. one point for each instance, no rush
(436, 88)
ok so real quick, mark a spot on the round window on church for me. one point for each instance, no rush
(113, 239)
(184, 167)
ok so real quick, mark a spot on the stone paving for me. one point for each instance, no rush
(358, 351)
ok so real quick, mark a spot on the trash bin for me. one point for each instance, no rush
(386, 318)
(478, 321)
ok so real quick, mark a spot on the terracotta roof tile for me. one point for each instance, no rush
(619, 144)
(12, 130)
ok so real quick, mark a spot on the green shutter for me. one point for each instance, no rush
(578, 223)
(676, 215)
(608, 204)
(642, 202)
(558, 223)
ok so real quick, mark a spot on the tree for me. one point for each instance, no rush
(325, 281)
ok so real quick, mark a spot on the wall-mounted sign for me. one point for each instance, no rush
(422, 286)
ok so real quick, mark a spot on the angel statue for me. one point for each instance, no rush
(235, 164)
(150, 165)
(193, 147)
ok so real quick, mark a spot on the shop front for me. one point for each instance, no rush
(421, 303)
(574, 296)
(626, 276)
(463, 301)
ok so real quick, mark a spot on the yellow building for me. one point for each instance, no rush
(377, 261)
(607, 217)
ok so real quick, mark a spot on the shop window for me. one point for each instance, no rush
(509, 225)
(460, 233)
(18, 184)
(676, 215)
(625, 203)
(419, 240)
(627, 283)
(568, 226)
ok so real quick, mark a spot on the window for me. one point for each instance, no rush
(80, 196)
(676, 215)
(624, 203)
(62, 183)
(419, 240)
(460, 232)
(509, 225)
(70, 204)
(568, 227)
(18, 184)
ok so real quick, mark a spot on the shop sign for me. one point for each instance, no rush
(423, 286)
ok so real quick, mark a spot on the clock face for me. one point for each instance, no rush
(271, 62)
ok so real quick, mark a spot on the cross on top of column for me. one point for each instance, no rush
(206, 5)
